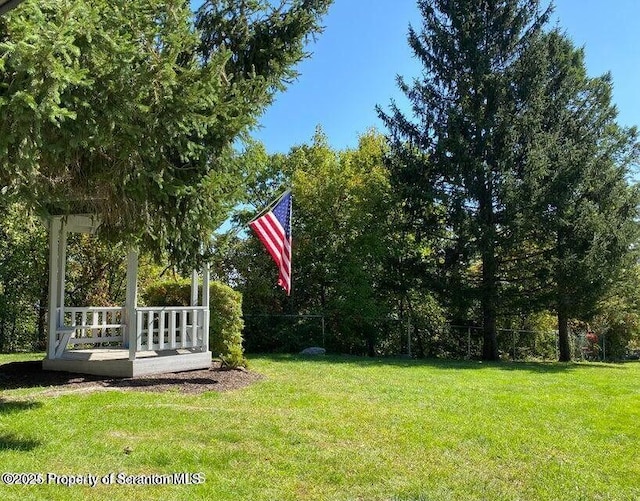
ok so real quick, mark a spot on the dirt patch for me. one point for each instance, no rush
(31, 375)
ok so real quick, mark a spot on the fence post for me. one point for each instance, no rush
(323, 332)
(604, 347)
(409, 337)
(513, 338)
(469, 343)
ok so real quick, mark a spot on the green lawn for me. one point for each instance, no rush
(344, 428)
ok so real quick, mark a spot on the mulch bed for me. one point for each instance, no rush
(30, 375)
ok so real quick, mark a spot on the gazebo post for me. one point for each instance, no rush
(55, 226)
(194, 301)
(205, 302)
(62, 269)
(131, 303)
(194, 288)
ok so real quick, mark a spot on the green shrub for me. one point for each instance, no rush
(225, 328)
(225, 320)
(170, 292)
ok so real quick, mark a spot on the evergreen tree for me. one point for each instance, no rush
(128, 109)
(585, 210)
(462, 154)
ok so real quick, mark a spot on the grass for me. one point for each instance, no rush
(344, 429)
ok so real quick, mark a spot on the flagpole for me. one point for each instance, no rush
(270, 206)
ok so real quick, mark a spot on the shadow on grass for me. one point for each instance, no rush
(9, 441)
(536, 367)
(12, 406)
(29, 374)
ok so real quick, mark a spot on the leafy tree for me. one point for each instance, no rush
(617, 321)
(340, 226)
(127, 109)
(463, 154)
(95, 272)
(342, 203)
(23, 279)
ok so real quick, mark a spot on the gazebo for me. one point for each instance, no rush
(127, 340)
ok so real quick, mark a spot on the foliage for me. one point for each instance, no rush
(462, 157)
(542, 327)
(126, 110)
(340, 227)
(23, 279)
(585, 208)
(225, 320)
(618, 319)
(342, 196)
(512, 168)
(226, 325)
(95, 272)
(167, 292)
(428, 323)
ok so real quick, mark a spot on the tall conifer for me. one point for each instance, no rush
(582, 203)
(477, 95)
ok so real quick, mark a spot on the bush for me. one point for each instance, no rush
(225, 320)
(225, 328)
(171, 292)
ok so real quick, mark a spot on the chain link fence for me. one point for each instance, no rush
(398, 337)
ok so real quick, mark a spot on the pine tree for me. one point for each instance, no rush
(585, 209)
(128, 110)
(465, 149)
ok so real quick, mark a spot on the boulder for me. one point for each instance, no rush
(314, 350)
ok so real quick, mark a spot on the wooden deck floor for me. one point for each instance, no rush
(115, 362)
(120, 353)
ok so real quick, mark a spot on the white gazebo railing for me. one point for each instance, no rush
(172, 327)
(94, 326)
(158, 328)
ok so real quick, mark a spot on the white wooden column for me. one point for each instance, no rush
(194, 288)
(205, 302)
(55, 227)
(131, 303)
(62, 269)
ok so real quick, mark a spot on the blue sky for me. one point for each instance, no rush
(364, 46)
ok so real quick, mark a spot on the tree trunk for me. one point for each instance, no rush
(489, 289)
(490, 339)
(42, 336)
(371, 342)
(563, 330)
(564, 348)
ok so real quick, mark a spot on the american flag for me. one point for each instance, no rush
(274, 231)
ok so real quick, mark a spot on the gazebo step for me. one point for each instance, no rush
(115, 362)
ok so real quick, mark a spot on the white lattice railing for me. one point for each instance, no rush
(171, 327)
(92, 325)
